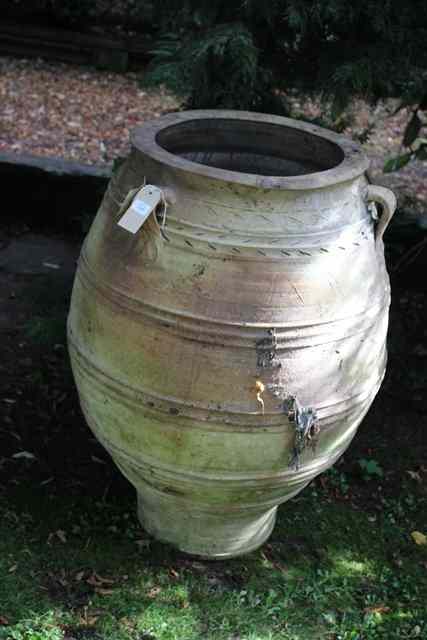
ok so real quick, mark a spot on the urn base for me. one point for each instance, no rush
(203, 533)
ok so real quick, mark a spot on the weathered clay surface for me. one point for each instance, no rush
(226, 359)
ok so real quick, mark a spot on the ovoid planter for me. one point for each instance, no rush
(226, 352)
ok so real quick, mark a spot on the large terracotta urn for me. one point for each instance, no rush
(227, 347)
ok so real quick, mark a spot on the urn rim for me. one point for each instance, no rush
(351, 163)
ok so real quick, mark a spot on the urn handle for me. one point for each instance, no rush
(387, 200)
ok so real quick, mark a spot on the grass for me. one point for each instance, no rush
(80, 570)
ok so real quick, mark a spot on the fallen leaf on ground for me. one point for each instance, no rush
(414, 475)
(101, 579)
(127, 622)
(24, 454)
(103, 592)
(61, 535)
(419, 538)
(96, 580)
(89, 620)
(379, 609)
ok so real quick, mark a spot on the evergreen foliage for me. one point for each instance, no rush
(218, 68)
(243, 53)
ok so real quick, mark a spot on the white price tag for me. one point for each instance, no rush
(144, 203)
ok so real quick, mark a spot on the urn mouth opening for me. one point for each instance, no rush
(251, 149)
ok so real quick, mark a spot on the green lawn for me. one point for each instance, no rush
(78, 569)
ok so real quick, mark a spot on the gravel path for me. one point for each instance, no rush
(79, 113)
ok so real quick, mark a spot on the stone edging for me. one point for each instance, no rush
(56, 166)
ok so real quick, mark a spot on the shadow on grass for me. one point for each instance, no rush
(75, 565)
